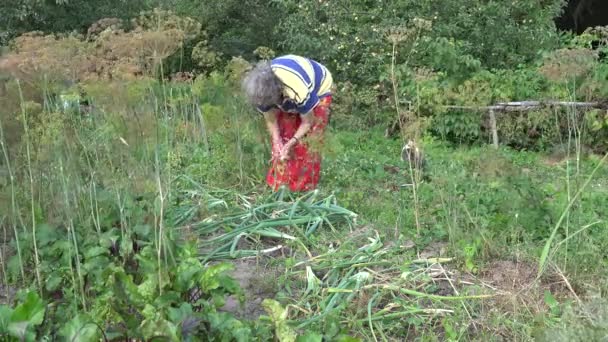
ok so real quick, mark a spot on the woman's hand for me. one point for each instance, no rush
(277, 148)
(286, 150)
(301, 132)
(273, 128)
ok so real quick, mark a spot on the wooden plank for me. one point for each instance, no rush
(494, 129)
(529, 105)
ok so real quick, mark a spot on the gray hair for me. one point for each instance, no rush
(262, 87)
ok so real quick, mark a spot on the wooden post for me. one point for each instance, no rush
(494, 129)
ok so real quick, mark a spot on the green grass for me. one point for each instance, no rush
(126, 207)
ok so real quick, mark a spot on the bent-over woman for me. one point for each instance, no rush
(294, 95)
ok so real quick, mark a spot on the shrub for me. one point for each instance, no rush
(108, 52)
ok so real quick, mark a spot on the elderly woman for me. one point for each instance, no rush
(294, 95)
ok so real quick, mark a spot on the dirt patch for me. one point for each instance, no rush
(509, 275)
(258, 283)
(7, 295)
(515, 282)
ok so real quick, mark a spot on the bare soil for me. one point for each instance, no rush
(258, 283)
(517, 285)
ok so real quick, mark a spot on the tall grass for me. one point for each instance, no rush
(31, 184)
(13, 211)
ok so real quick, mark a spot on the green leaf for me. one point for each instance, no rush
(58, 247)
(20, 331)
(346, 338)
(27, 315)
(278, 315)
(14, 266)
(178, 315)
(45, 234)
(229, 328)
(186, 273)
(143, 230)
(332, 327)
(149, 288)
(53, 281)
(31, 310)
(310, 337)
(551, 302)
(80, 328)
(168, 299)
(126, 290)
(159, 327)
(5, 317)
(109, 238)
(126, 247)
(210, 279)
(95, 251)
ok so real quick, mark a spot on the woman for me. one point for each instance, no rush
(294, 95)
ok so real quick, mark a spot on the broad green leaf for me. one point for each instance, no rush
(59, 247)
(310, 337)
(53, 281)
(143, 230)
(177, 315)
(96, 265)
(109, 238)
(344, 338)
(95, 251)
(278, 315)
(229, 284)
(45, 234)
(80, 329)
(168, 299)
(332, 325)
(159, 327)
(228, 328)
(210, 279)
(31, 310)
(149, 311)
(149, 288)
(186, 272)
(126, 290)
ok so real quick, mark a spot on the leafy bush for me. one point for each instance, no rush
(235, 27)
(575, 73)
(349, 36)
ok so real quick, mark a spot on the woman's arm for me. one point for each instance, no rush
(273, 128)
(271, 123)
(304, 128)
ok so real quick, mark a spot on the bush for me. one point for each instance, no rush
(107, 52)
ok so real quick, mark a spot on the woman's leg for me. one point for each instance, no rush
(309, 163)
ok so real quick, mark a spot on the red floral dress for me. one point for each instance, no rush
(301, 172)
